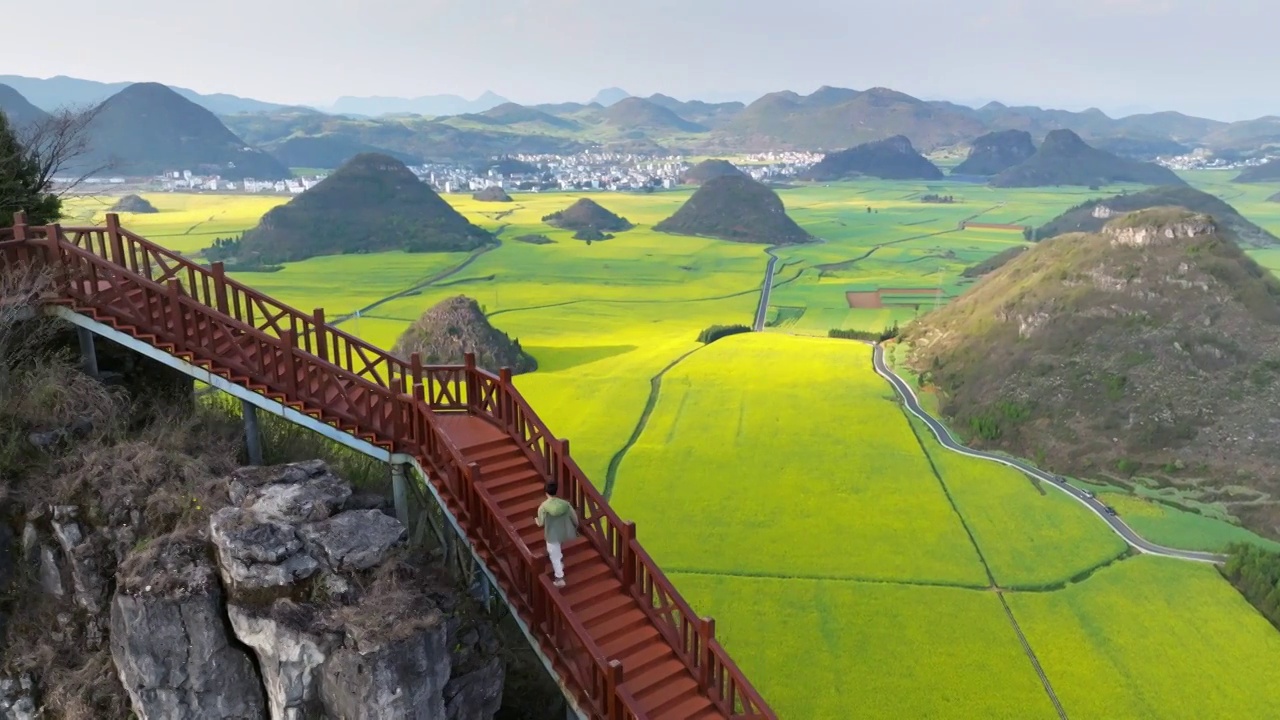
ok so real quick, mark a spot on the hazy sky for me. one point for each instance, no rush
(1209, 57)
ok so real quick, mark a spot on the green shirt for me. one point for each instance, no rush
(559, 519)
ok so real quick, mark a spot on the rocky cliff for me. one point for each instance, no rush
(295, 599)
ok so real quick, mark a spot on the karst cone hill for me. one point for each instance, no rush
(709, 170)
(133, 204)
(996, 152)
(492, 194)
(1064, 159)
(372, 203)
(890, 159)
(735, 207)
(587, 214)
(1153, 343)
(456, 326)
(149, 128)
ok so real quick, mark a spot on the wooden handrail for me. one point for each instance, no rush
(305, 359)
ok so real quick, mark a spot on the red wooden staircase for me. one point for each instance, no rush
(619, 635)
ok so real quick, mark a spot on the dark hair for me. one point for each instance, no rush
(552, 488)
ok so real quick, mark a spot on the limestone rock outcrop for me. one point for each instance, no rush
(169, 638)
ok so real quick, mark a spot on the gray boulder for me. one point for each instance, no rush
(257, 554)
(291, 643)
(356, 539)
(251, 477)
(169, 638)
(311, 500)
(397, 676)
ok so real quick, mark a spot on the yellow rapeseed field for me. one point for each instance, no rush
(1154, 638)
(785, 456)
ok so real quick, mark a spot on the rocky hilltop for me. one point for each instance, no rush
(891, 159)
(735, 207)
(1064, 159)
(454, 327)
(1274, 198)
(1151, 347)
(371, 204)
(710, 169)
(1091, 216)
(133, 204)
(996, 152)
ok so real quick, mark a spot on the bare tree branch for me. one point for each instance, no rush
(51, 148)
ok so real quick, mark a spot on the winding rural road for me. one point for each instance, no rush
(944, 436)
(762, 311)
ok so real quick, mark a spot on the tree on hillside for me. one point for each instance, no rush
(33, 155)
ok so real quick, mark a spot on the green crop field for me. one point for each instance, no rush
(848, 559)
(1151, 637)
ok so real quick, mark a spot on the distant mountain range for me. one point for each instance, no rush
(50, 94)
(428, 105)
(449, 128)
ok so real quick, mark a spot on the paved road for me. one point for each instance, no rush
(944, 436)
(762, 311)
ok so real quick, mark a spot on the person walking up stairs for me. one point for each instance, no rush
(560, 522)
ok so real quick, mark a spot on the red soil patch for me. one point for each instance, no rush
(864, 300)
(874, 299)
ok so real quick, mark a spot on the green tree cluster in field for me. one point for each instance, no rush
(715, 332)
(1256, 574)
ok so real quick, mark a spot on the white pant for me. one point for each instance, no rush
(557, 559)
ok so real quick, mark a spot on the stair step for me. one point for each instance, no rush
(518, 493)
(590, 588)
(607, 627)
(696, 706)
(645, 658)
(639, 682)
(669, 695)
(503, 450)
(603, 608)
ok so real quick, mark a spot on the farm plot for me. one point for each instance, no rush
(1151, 637)
(186, 222)
(1029, 537)
(831, 650)
(791, 447)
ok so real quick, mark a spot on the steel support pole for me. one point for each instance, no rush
(252, 436)
(88, 353)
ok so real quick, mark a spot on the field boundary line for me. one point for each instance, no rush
(946, 492)
(828, 578)
(655, 389)
(1031, 655)
(1026, 646)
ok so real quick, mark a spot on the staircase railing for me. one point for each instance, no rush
(308, 363)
